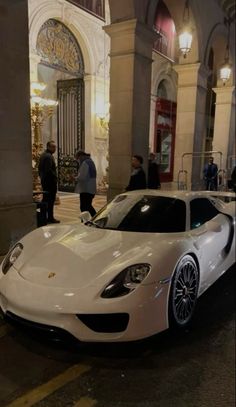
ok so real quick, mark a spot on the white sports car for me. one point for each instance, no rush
(133, 270)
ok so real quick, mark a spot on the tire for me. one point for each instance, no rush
(183, 292)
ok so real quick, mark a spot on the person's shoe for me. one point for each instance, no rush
(53, 221)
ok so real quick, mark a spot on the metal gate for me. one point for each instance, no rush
(183, 181)
(70, 95)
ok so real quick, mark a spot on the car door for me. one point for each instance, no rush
(210, 231)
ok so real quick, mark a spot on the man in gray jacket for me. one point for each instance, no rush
(86, 181)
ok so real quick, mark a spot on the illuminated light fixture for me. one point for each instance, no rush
(43, 101)
(36, 88)
(185, 37)
(50, 102)
(102, 113)
(226, 67)
(41, 110)
(102, 121)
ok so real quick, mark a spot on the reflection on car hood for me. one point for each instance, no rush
(77, 256)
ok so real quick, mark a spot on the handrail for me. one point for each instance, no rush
(183, 184)
(202, 154)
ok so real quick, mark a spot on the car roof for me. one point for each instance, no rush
(184, 195)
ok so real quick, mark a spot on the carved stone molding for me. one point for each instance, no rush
(58, 48)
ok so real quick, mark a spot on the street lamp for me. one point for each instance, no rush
(185, 36)
(226, 67)
(41, 109)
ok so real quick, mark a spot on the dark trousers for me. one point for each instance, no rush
(49, 198)
(86, 203)
(211, 184)
(41, 213)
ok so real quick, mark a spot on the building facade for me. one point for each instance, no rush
(116, 62)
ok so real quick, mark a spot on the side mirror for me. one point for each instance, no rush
(85, 216)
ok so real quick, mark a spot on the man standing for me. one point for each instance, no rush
(86, 181)
(210, 175)
(138, 177)
(153, 173)
(48, 176)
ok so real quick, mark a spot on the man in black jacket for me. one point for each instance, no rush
(153, 173)
(211, 175)
(48, 176)
(138, 177)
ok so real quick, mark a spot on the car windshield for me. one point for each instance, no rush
(143, 213)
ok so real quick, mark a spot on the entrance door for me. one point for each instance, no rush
(165, 137)
(70, 95)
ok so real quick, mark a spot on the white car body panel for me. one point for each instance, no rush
(63, 270)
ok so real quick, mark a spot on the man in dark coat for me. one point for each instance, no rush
(48, 176)
(86, 181)
(232, 181)
(153, 173)
(210, 175)
(138, 177)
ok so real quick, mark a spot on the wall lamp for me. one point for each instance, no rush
(226, 67)
(185, 36)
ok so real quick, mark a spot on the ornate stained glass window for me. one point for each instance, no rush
(59, 49)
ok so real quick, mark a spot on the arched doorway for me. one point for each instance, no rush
(62, 69)
(165, 89)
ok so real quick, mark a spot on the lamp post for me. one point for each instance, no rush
(226, 67)
(41, 109)
(185, 36)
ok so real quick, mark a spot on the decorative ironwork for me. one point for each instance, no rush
(70, 130)
(161, 44)
(59, 48)
(165, 28)
(67, 171)
(96, 7)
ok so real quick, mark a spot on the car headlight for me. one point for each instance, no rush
(126, 281)
(11, 257)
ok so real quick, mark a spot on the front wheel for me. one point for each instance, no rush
(183, 292)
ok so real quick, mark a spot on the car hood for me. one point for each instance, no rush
(72, 256)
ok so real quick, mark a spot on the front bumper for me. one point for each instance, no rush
(146, 308)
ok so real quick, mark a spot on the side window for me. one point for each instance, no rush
(201, 211)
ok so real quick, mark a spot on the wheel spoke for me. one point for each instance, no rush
(185, 275)
(181, 281)
(185, 292)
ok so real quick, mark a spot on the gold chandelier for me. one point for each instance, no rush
(41, 110)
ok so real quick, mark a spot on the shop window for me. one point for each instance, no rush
(165, 137)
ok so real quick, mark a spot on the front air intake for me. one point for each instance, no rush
(106, 323)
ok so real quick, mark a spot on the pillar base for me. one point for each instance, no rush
(16, 221)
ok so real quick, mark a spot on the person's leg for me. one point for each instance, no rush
(86, 203)
(46, 200)
(51, 201)
(83, 202)
(90, 207)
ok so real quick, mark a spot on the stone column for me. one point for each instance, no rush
(130, 94)
(17, 212)
(224, 130)
(152, 134)
(190, 121)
